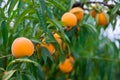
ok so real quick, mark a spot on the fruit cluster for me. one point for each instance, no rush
(71, 18)
(101, 17)
(24, 47)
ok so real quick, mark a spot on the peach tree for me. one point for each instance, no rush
(81, 52)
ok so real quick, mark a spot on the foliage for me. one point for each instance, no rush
(96, 56)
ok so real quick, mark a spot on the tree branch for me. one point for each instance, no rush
(79, 4)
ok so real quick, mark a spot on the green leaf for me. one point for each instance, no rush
(91, 28)
(4, 30)
(2, 15)
(115, 9)
(29, 76)
(62, 57)
(50, 56)
(21, 61)
(36, 40)
(50, 13)
(71, 4)
(8, 74)
(83, 1)
(45, 54)
(102, 69)
(7, 4)
(41, 15)
(30, 17)
(12, 16)
(21, 17)
(109, 70)
(12, 5)
(41, 74)
(57, 4)
(56, 23)
(2, 69)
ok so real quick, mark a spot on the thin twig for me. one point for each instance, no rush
(104, 3)
(5, 56)
(77, 4)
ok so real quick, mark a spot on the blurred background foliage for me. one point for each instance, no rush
(96, 56)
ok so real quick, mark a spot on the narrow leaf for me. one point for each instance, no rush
(91, 28)
(57, 4)
(36, 40)
(21, 17)
(45, 54)
(30, 77)
(115, 9)
(21, 61)
(40, 73)
(56, 23)
(41, 15)
(4, 31)
(8, 74)
(12, 5)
